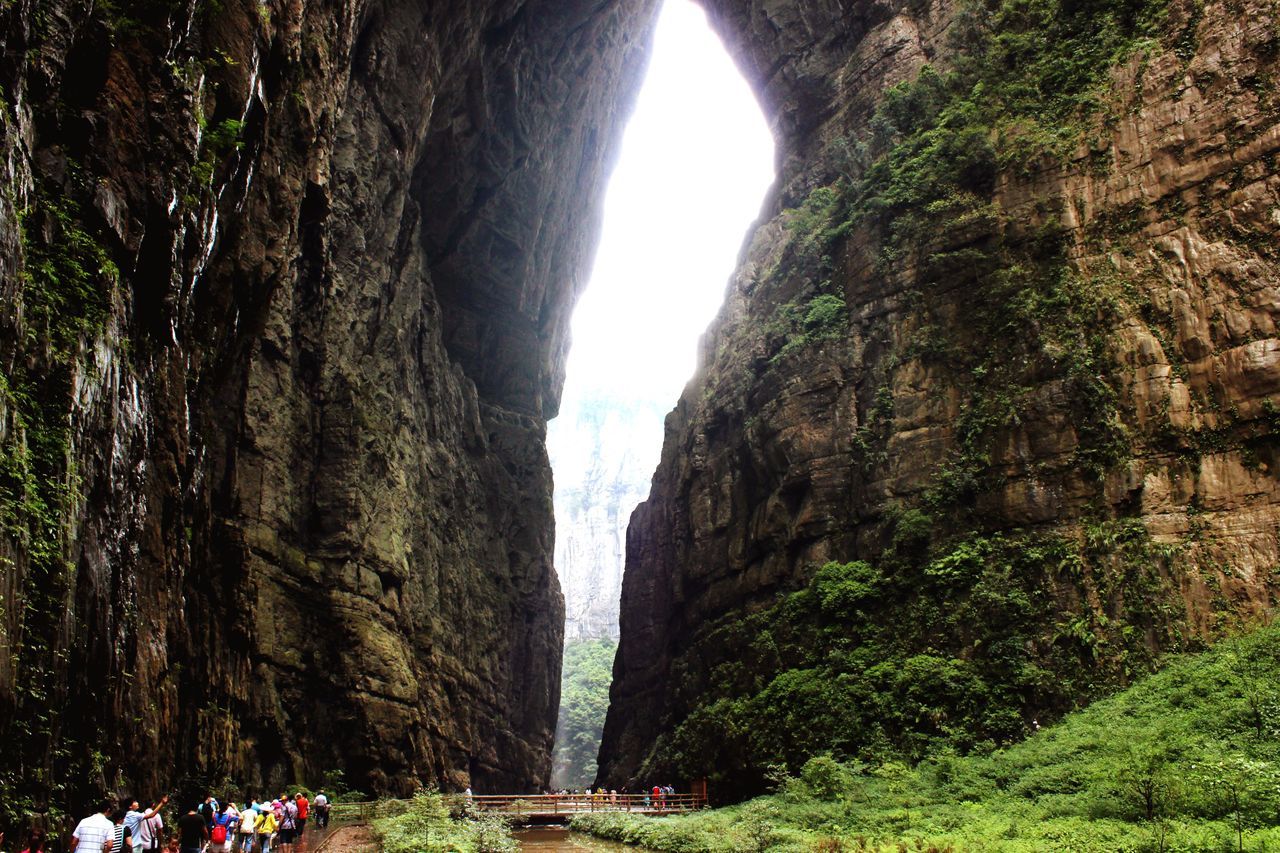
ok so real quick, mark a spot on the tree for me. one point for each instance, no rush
(584, 700)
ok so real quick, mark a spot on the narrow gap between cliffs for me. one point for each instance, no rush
(696, 162)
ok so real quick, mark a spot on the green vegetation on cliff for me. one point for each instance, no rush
(934, 647)
(67, 287)
(1187, 759)
(584, 701)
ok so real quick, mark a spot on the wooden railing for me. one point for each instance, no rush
(529, 805)
(570, 804)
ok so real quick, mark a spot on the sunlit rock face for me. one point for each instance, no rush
(286, 288)
(603, 449)
(803, 441)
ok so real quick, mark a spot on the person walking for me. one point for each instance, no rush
(207, 810)
(304, 809)
(121, 838)
(95, 833)
(265, 828)
(193, 832)
(246, 829)
(221, 830)
(321, 805)
(134, 820)
(288, 822)
(149, 836)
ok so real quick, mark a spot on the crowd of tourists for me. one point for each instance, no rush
(655, 797)
(206, 827)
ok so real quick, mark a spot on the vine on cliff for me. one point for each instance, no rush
(68, 284)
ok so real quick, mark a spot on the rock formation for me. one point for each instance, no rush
(598, 448)
(1065, 333)
(286, 292)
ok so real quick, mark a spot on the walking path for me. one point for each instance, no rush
(348, 839)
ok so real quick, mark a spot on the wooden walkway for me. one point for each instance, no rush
(545, 807)
(536, 808)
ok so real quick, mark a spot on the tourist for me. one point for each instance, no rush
(221, 831)
(207, 810)
(304, 809)
(289, 822)
(95, 833)
(149, 835)
(36, 841)
(321, 805)
(265, 829)
(248, 823)
(193, 830)
(173, 846)
(135, 818)
(122, 838)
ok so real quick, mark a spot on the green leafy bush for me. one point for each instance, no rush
(426, 826)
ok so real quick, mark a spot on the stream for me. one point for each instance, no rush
(561, 840)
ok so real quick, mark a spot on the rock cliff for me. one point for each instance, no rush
(1003, 353)
(603, 448)
(286, 291)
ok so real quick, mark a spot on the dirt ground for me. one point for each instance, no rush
(350, 839)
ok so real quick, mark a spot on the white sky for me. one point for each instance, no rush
(696, 161)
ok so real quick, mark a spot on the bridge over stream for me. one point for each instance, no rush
(534, 808)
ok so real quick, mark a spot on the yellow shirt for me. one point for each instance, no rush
(267, 823)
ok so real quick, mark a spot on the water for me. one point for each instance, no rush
(561, 840)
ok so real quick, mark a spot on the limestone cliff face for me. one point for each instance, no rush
(603, 447)
(286, 288)
(809, 437)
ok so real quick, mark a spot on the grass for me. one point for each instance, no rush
(1185, 760)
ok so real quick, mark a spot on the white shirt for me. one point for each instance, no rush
(321, 800)
(148, 830)
(93, 833)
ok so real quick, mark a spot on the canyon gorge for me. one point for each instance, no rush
(989, 415)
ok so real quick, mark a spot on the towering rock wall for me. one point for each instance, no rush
(1009, 340)
(286, 288)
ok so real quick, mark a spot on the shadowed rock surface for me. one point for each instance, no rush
(286, 294)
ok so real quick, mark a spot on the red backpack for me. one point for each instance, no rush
(219, 833)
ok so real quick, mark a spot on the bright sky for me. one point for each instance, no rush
(696, 162)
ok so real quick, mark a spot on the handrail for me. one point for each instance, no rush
(522, 805)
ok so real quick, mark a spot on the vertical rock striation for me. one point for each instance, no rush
(1059, 349)
(286, 290)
